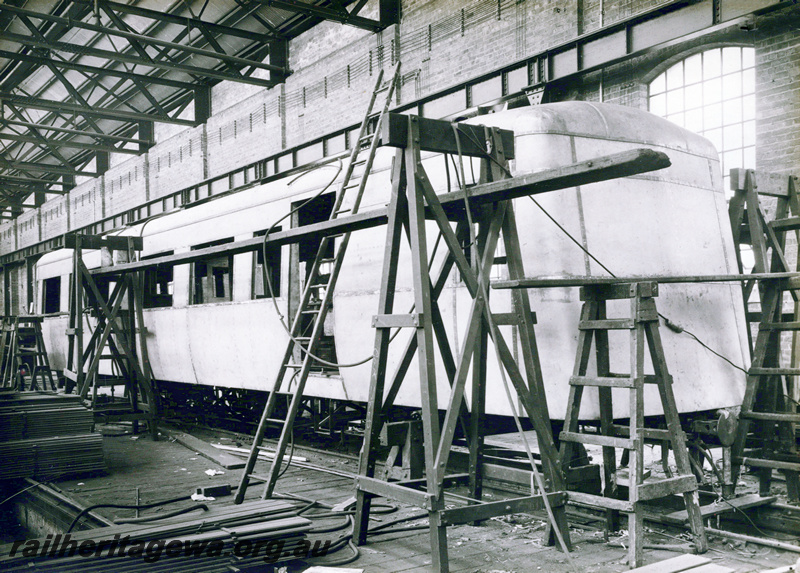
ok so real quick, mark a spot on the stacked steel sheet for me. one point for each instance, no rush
(235, 531)
(47, 436)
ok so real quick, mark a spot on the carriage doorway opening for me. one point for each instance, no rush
(303, 253)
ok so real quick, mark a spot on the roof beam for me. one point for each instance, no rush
(135, 37)
(59, 107)
(67, 143)
(343, 16)
(191, 22)
(21, 179)
(46, 167)
(68, 65)
(103, 136)
(130, 59)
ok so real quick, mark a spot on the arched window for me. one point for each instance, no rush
(713, 94)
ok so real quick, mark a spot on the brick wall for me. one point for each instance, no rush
(125, 186)
(778, 93)
(176, 163)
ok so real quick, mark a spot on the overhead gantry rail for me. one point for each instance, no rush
(81, 79)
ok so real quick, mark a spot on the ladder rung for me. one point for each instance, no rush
(310, 311)
(607, 324)
(256, 477)
(604, 381)
(600, 501)
(275, 421)
(666, 487)
(29, 350)
(787, 224)
(596, 440)
(772, 416)
(342, 211)
(774, 372)
(302, 338)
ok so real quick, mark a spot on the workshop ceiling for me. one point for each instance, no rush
(80, 79)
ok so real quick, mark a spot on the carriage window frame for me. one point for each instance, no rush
(713, 94)
(157, 279)
(221, 276)
(51, 295)
(274, 265)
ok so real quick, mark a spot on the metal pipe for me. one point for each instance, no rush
(751, 539)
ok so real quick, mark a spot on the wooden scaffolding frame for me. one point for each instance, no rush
(119, 322)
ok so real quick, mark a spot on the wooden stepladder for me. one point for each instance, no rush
(292, 375)
(594, 327)
(29, 349)
(22, 346)
(117, 309)
(769, 412)
(413, 201)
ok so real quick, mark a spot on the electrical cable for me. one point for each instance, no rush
(86, 510)
(175, 513)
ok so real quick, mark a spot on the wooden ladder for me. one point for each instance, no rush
(768, 415)
(643, 325)
(28, 342)
(348, 200)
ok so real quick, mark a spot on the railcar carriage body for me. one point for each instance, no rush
(215, 323)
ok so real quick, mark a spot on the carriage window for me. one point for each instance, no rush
(158, 286)
(713, 94)
(212, 277)
(273, 268)
(51, 295)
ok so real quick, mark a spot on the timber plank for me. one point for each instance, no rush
(206, 450)
(743, 502)
(675, 565)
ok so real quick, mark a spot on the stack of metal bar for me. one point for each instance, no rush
(47, 436)
(221, 539)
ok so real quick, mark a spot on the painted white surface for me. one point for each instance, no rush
(673, 221)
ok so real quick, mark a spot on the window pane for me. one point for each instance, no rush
(675, 76)
(748, 58)
(675, 101)
(749, 81)
(711, 64)
(731, 60)
(749, 107)
(658, 105)
(732, 136)
(749, 157)
(694, 120)
(749, 133)
(694, 96)
(693, 67)
(715, 136)
(713, 116)
(732, 86)
(732, 159)
(732, 111)
(712, 91)
(659, 84)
